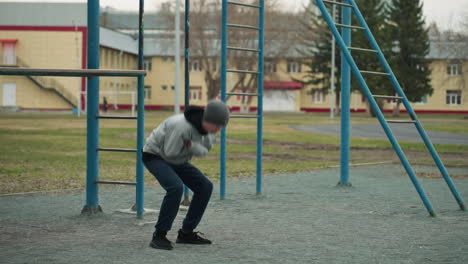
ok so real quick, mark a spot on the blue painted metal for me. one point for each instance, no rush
(345, 100)
(186, 74)
(68, 72)
(140, 180)
(410, 110)
(92, 130)
(224, 39)
(371, 100)
(260, 97)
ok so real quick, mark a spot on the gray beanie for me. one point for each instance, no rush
(216, 112)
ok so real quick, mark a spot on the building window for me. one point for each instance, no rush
(454, 68)
(318, 97)
(147, 64)
(195, 66)
(270, 66)
(195, 93)
(164, 87)
(165, 59)
(294, 66)
(172, 87)
(453, 97)
(147, 92)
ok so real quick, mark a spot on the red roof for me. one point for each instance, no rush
(282, 85)
(8, 40)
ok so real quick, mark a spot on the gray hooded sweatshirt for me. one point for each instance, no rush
(180, 137)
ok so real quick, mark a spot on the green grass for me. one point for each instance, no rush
(48, 151)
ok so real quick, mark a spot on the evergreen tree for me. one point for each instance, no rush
(411, 45)
(317, 42)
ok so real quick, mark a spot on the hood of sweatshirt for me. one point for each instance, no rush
(194, 115)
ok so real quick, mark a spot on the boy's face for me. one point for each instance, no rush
(211, 128)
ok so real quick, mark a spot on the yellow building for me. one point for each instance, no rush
(59, 41)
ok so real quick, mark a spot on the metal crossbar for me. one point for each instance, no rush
(387, 97)
(337, 3)
(361, 49)
(242, 71)
(243, 94)
(116, 149)
(70, 72)
(116, 182)
(243, 26)
(116, 117)
(242, 4)
(375, 73)
(349, 26)
(242, 49)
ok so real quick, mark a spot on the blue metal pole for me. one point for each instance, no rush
(373, 103)
(140, 180)
(260, 97)
(411, 112)
(92, 129)
(345, 101)
(187, 76)
(224, 39)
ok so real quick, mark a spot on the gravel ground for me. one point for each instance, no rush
(301, 218)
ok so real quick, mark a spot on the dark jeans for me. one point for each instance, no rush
(172, 178)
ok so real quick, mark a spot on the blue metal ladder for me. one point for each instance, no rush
(224, 70)
(342, 40)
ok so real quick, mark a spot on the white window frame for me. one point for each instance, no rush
(195, 66)
(147, 92)
(453, 97)
(294, 67)
(318, 97)
(454, 68)
(270, 67)
(148, 64)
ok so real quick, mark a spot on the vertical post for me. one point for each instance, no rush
(224, 39)
(186, 200)
(177, 59)
(332, 77)
(140, 180)
(260, 96)
(92, 123)
(345, 102)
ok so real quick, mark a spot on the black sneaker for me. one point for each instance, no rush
(192, 238)
(160, 241)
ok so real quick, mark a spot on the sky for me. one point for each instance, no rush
(448, 14)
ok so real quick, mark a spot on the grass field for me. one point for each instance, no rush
(42, 151)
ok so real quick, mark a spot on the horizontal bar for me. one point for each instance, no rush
(401, 121)
(242, 4)
(349, 26)
(243, 116)
(361, 49)
(242, 49)
(69, 72)
(337, 3)
(243, 94)
(115, 182)
(242, 26)
(388, 97)
(116, 117)
(376, 73)
(242, 71)
(117, 149)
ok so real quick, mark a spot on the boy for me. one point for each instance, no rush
(166, 155)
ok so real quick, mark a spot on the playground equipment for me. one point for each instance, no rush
(348, 64)
(93, 73)
(224, 70)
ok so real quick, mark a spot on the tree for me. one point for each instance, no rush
(317, 37)
(411, 46)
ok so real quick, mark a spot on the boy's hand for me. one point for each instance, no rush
(188, 143)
